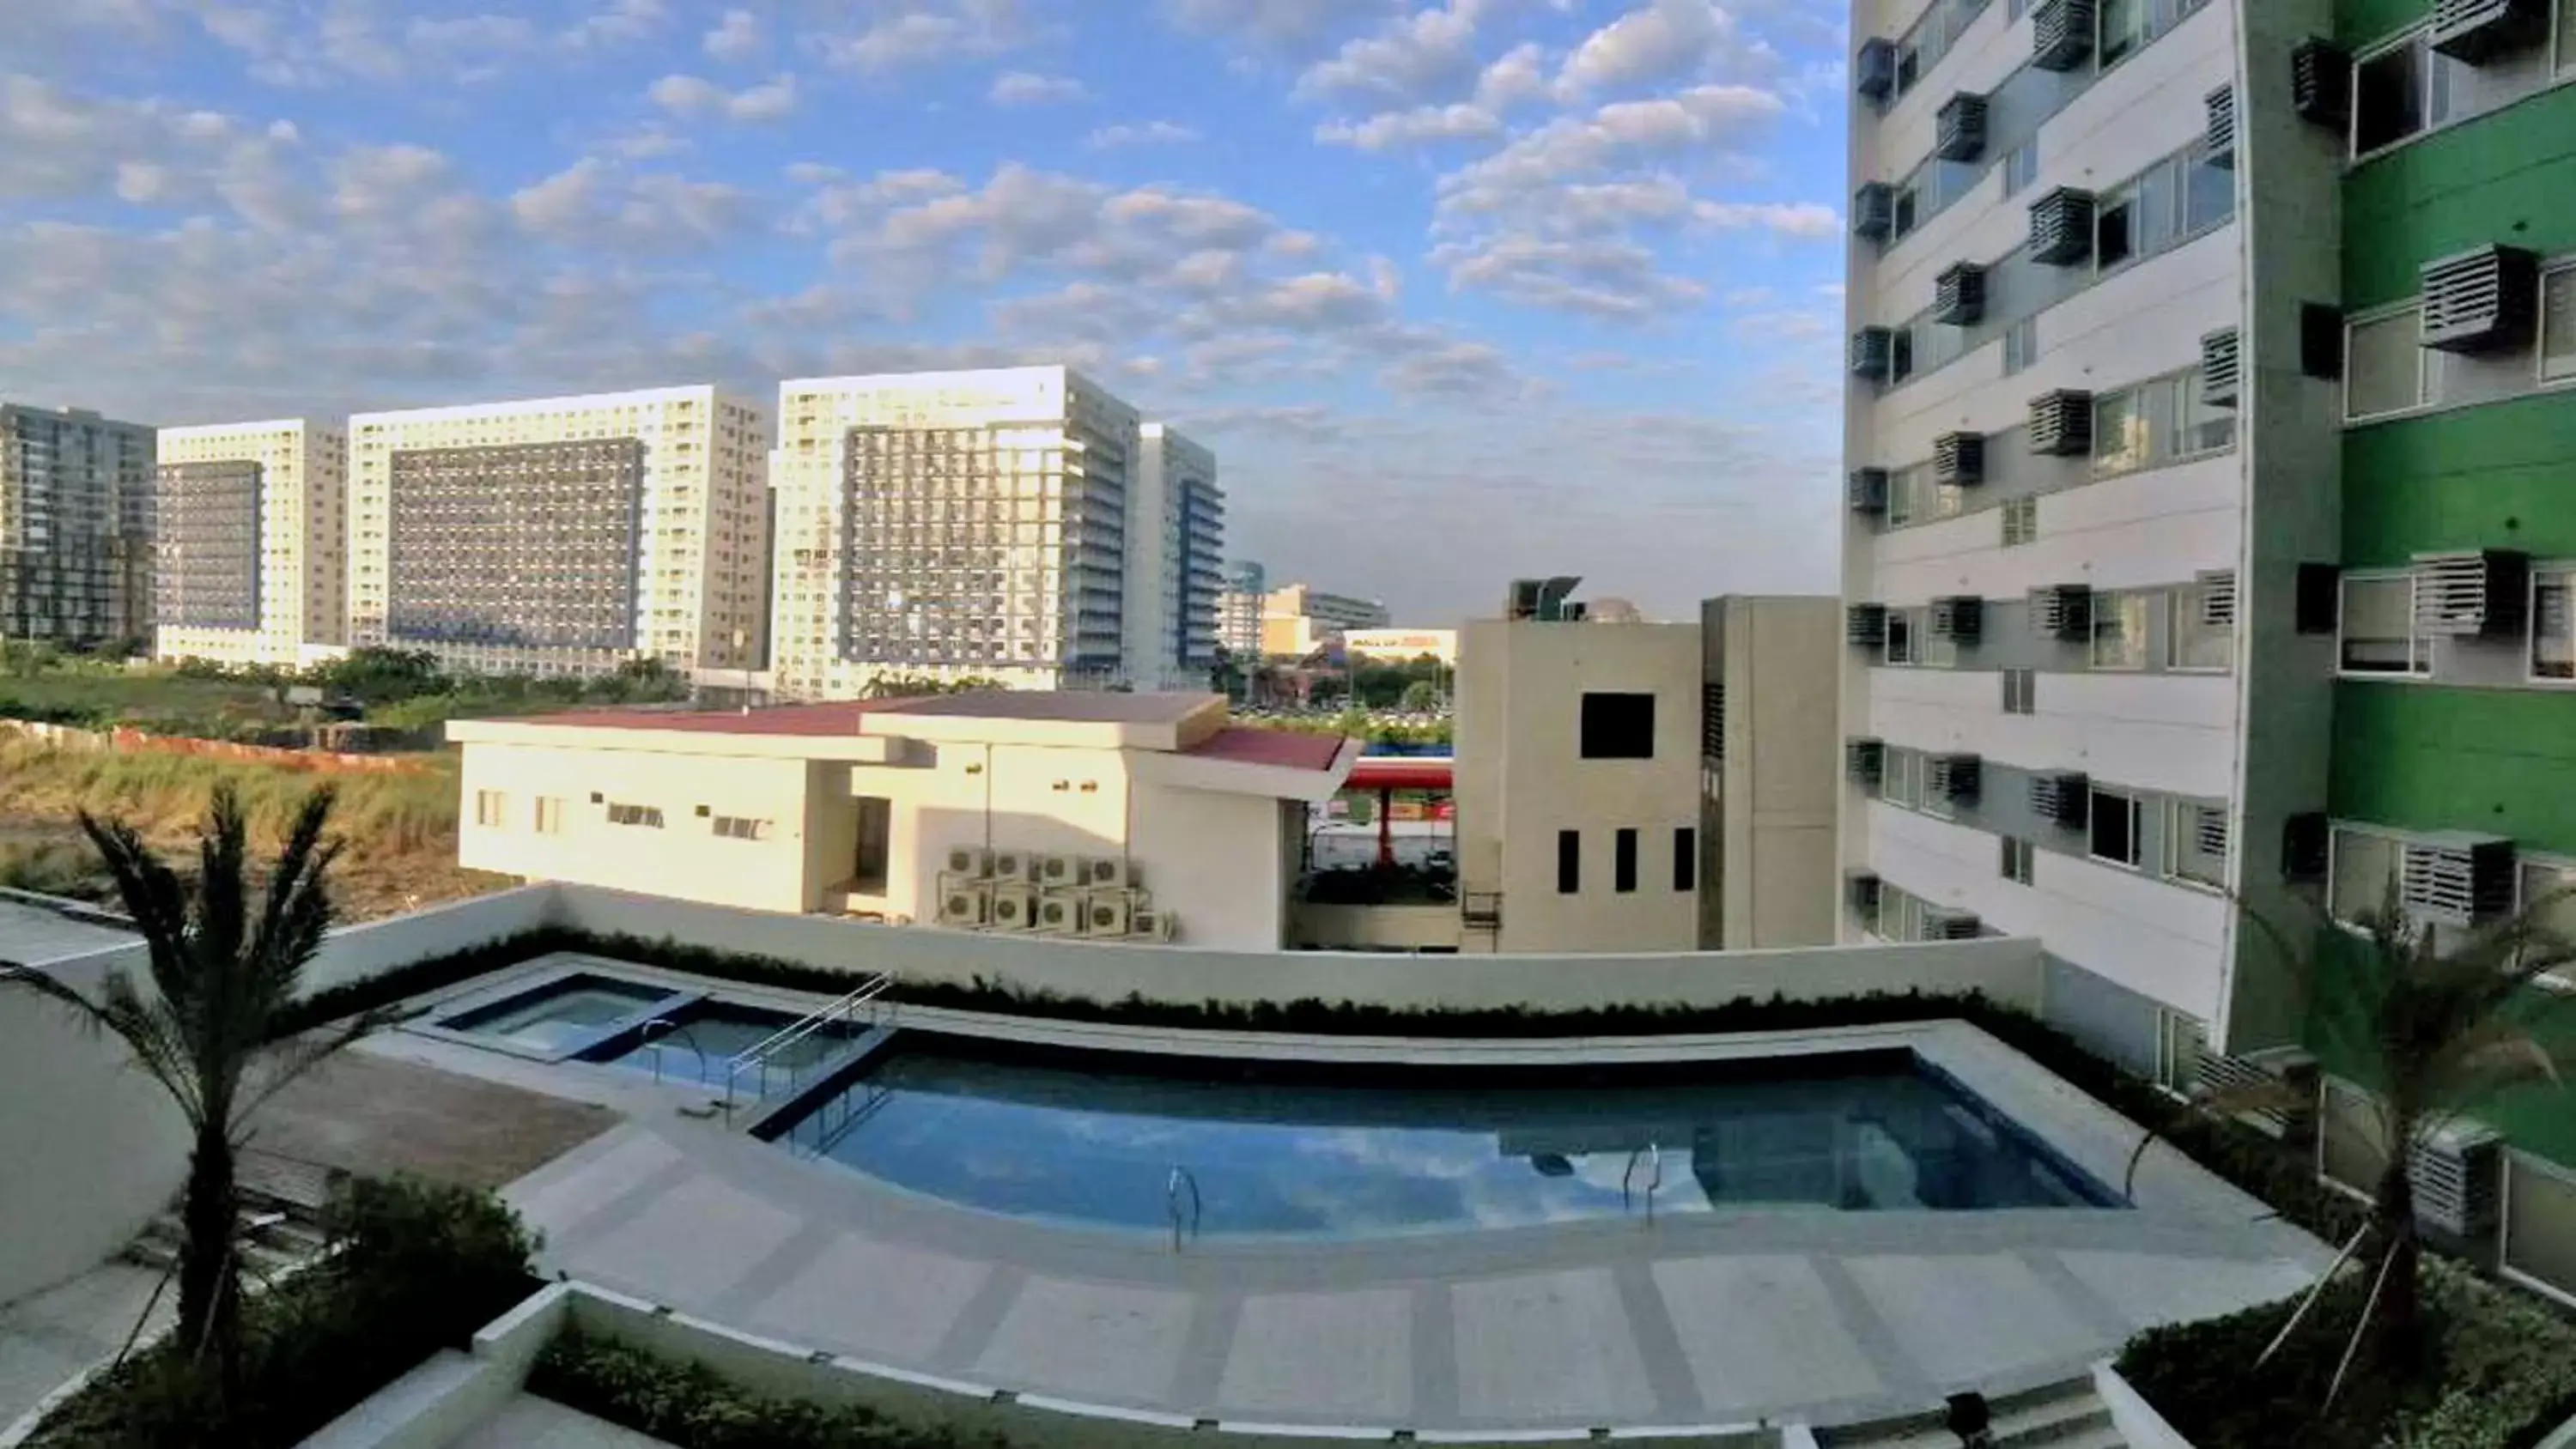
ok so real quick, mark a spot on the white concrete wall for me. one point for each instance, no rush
(2140, 1426)
(1376, 928)
(1782, 771)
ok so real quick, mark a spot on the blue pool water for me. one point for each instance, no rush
(1091, 1139)
(695, 1043)
(554, 1015)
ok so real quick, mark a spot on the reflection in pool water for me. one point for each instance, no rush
(1093, 1139)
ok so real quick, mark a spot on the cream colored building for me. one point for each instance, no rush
(1399, 646)
(563, 536)
(250, 542)
(1770, 770)
(1300, 619)
(1019, 525)
(1136, 816)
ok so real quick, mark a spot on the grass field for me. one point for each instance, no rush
(154, 699)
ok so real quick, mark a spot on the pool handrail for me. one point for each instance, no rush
(839, 1009)
(1653, 1153)
(1182, 1177)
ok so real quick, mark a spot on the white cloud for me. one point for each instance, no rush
(1606, 278)
(1141, 133)
(898, 34)
(1406, 62)
(737, 38)
(688, 95)
(592, 204)
(1426, 124)
(1026, 88)
(1659, 41)
(619, 22)
(1278, 26)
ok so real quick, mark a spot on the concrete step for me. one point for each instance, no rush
(2060, 1416)
(2051, 1422)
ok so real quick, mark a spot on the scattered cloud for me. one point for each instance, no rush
(1141, 133)
(688, 95)
(737, 39)
(1025, 88)
(891, 35)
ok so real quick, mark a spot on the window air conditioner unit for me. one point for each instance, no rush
(1865, 624)
(2061, 227)
(2457, 1172)
(2321, 84)
(2217, 598)
(2218, 139)
(2221, 371)
(1014, 865)
(1867, 491)
(2062, 611)
(1941, 923)
(965, 905)
(1960, 127)
(2456, 878)
(2477, 31)
(1059, 912)
(1860, 888)
(1059, 871)
(2214, 1075)
(1106, 913)
(2210, 833)
(1015, 906)
(1873, 352)
(1108, 871)
(1958, 617)
(2061, 423)
(1959, 458)
(1959, 295)
(2061, 34)
(1955, 777)
(1874, 68)
(2062, 797)
(2483, 300)
(1874, 211)
(1154, 923)
(2469, 595)
(1865, 760)
(970, 862)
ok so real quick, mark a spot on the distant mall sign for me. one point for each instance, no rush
(1441, 644)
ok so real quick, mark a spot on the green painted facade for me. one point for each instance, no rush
(2501, 475)
(2425, 757)
(2362, 22)
(2508, 176)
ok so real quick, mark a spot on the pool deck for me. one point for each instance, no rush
(1794, 1315)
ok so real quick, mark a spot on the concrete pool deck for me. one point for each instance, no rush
(1794, 1315)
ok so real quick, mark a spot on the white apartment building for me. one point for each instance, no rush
(563, 536)
(2050, 505)
(1009, 524)
(1174, 544)
(250, 542)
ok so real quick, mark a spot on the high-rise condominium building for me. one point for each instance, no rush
(1244, 591)
(2205, 429)
(249, 542)
(563, 536)
(75, 527)
(1011, 524)
(1174, 548)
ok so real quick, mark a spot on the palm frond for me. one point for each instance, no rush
(161, 1043)
(153, 896)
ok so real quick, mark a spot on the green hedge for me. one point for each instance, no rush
(2498, 1372)
(690, 1406)
(418, 1268)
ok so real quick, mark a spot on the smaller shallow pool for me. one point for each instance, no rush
(552, 1016)
(696, 1042)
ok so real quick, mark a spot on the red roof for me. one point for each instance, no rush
(1404, 772)
(1288, 749)
(840, 717)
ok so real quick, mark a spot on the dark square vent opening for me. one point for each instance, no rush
(1865, 624)
(1957, 617)
(2061, 424)
(1959, 131)
(1865, 760)
(1860, 887)
(2321, 341)
(2305, 841)
(2320, 598)
(2321, 84)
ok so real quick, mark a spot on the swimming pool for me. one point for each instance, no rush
(1283, 1150)
(555, 1014)
(696, 1042)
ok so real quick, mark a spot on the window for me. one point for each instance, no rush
(2021, 691)
(1900, 780)
(1623, 861)
(1900, 356)
(2021, 521)
(549, 815)
(2208, 195)
(2119, 631)
(873, 850)
(2553, 640)
(2558, 311)
(490, 808)
(2363, 873)
(2114, 229)
(1900, 636)
(2550, 886)
(2203, 627)
(1618, 726)
(2180, 1042)
(1895, 912)
(2121, 27)
(2114, 828)
(2122, 439)
(2383, 367)
(1901, 214)
(2196, 842)
(1569, 862)
(2196, 427)
(738, 827)
(646, 815)
(2021, 166)
(2021, 344)
(1685, 859)
(2402, 91)
(2376, 627)
(2016, 859)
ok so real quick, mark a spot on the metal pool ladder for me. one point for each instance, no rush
(1652, 1154)
(1173, 1185)
(757, 1057)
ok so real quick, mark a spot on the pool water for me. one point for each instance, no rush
(698, 1041)
(1092, 1139)
(559, 1013)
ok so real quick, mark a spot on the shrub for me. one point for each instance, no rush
(418, 1267)
(2498, 1372)
(691, 1406)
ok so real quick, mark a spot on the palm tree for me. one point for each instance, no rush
(224, 966)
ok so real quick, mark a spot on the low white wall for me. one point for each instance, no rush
(452, 1394)
(90, 1147)
(2005, 968)
(2140, 1426)
(355, 953)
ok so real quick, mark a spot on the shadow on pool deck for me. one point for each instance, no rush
(373, 1116)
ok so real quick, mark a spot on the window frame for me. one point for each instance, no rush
(2412, 307)
(2563, 578)
(2120, 600)
(2179, 600)
(2021, 337)
(2093, 814)
(2023, 160)
(2563, 273)
(2016, 859)
(2021, 686)
(2419, 645)
(1609, 749)
(2129, 460)
(2027, 508)
(1905, 624)
(2428, 64)
(2177, 813)
(1906, 765)
(2395, 841)
(491, 809)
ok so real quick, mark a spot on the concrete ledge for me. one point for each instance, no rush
(2140, 1426)
(446, 1398)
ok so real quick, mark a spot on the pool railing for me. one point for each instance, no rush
(758, 1056)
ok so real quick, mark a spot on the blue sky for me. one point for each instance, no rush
(1459, 290)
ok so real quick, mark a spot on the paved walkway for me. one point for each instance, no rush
(1718, 1318)
(533, 1423)
(47, 1338)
